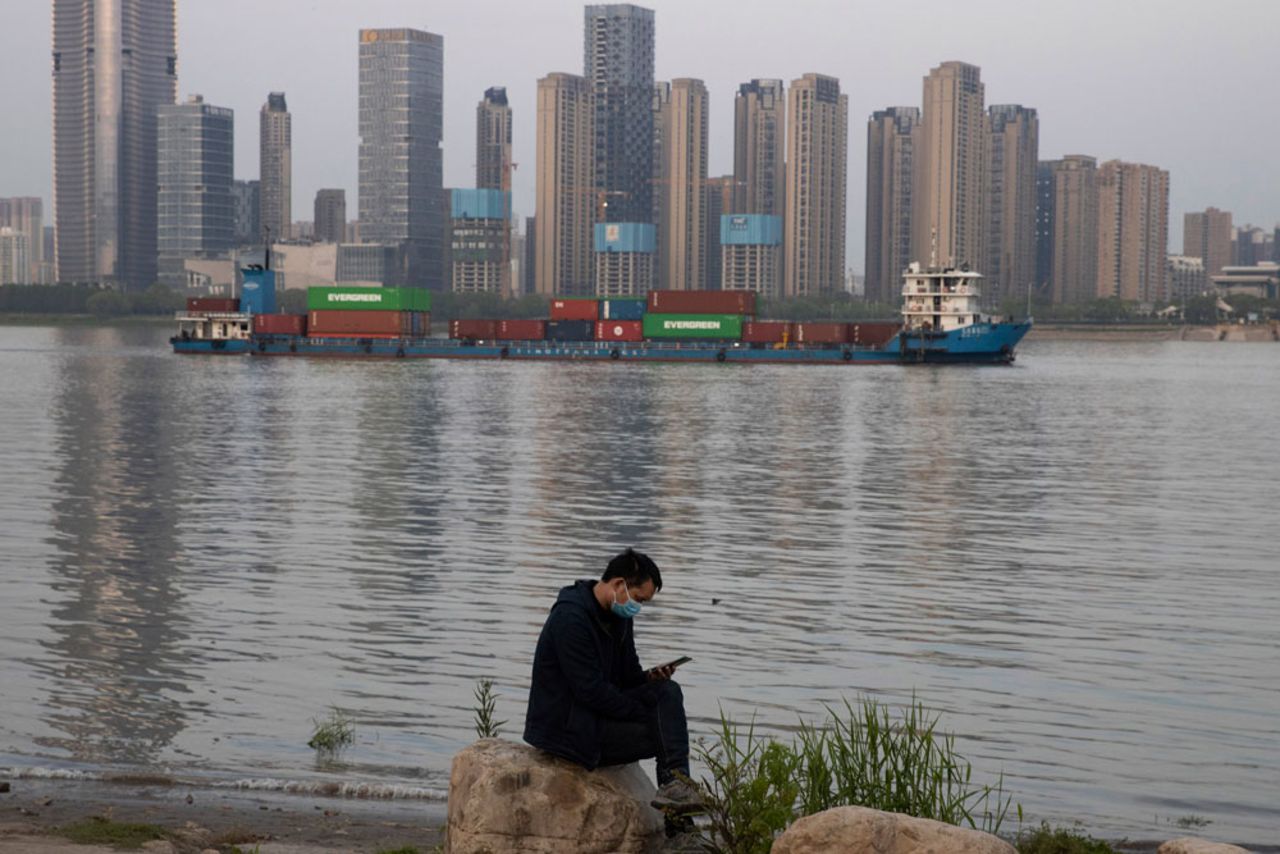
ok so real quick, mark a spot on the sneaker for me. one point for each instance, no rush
(677, 797)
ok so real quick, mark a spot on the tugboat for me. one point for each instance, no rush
(942, 320)
(224, 326)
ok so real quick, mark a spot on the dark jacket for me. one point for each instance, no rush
(584, 663)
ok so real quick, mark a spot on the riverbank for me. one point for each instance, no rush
(23, 319)
(1148, 332)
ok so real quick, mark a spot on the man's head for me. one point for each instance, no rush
(633, 576)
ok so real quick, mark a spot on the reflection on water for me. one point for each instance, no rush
(1072, 559)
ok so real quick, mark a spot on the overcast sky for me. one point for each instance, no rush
(1186, 85)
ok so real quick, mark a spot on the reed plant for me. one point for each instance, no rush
(332, 734)
(485, 710)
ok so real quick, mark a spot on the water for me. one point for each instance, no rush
(1074, 560)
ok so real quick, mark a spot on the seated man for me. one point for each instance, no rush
(590, 701)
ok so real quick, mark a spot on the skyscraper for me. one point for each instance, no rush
(751, 253)
(1133, 231)
(275, 167)
(402, 196)
(947, 220)
(566, 198)
(248, 201)
(683, 221)
(1069, 194)
(618, 64)
(1207, 235)
(891, 139)
(719, 200)
(1009, 203)
(493, 140)
(759, 145)
(15, 257)
(816, 186)
(196, 172)
(25, 215)
(114, 62)
(331, 216)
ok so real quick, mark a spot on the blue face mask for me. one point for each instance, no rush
(626, 610)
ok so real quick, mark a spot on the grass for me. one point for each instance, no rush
(118, 834)
(1189, 821)
(1047, 840)
(486, 711)
(333, 733)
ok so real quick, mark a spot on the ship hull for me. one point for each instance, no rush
(211, 347)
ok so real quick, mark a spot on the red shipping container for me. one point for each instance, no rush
(212, 304)
(280, 324)
(367, 324)
(575, 309)
(619, 330)
(522, 330)
(875, 333)
(702, 302)
(767, 331)
(822, 333)
(472, 329)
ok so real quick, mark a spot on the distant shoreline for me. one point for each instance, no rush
(22, 319)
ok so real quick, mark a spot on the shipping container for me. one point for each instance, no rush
(470, 330)
(768, 331)
(622, 308)
(280, 324)
(575, 309)
(875, 333)
(619, 330)
(723, 326)
(571, 330)
(368, 324)
(212, 304)
(522, 330)
(702, 302)
(368, 299)
(809, 332)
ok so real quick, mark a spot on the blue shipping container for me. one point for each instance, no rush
(258, 291)
(623, 309)
(571, 330)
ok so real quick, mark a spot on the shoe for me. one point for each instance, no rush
(677, 797)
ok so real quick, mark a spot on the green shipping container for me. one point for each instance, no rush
(368, 299)
(693, 326)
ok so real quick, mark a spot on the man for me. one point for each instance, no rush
(591, 702)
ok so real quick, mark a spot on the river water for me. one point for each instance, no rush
(1073, 560)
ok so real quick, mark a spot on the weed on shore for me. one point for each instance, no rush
(333, 733)
(1060, 840)
(118, 834)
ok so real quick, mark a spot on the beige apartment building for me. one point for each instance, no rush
(1207, 235)
(816, 186)
(759, 146)
(1133, 231)
(891, 138)
(682, 222)
(565, 197)
(949, 168)
(493, 140)
(1071, 202)
(1009, 214)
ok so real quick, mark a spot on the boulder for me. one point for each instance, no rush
(858, 830)
(1192, 845)
(506, 797)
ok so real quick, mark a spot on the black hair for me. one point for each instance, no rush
(635, 568)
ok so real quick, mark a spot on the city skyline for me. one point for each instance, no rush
(1134, 74)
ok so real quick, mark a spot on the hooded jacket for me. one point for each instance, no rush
(582, 667)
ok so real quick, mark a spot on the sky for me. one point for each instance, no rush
(1186, 85)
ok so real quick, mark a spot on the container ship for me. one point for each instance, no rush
(941, 323)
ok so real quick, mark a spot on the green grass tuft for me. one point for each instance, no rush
(118, 834)
(333, 733)
(1047, 840)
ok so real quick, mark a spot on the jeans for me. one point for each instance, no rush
(663, 734)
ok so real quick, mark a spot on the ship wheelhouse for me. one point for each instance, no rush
(940, 300)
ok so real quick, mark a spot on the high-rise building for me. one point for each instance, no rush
(1069, 196)
(402, 196)
(477, 247)
(718, 200)
(661, 109)
(759, 146)
(15, 257)
(196, 155)
(566, 198)
(247, 198)
(624, 253)
(275, 167)
(751, 253)
(891, 140)
(493, 140)
(947, 199)
(1207, 235)
(683, 220)
(1133, 231)
(330, 223)
(114, 62)
(1009, 203)
(618, 49)
(1187, 277)
(25, 215)
(816, 186)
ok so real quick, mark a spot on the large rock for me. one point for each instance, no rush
(1192, 845)
(506, 797)
(858, 830)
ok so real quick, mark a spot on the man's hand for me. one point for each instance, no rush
(660, 674)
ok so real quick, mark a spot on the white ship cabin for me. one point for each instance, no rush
(935, 299)
(214, 326)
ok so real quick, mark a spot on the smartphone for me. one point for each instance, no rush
(684, 659)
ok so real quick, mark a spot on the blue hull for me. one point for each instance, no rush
(989, 343)
(206, 346)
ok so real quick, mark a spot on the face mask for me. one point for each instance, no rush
(626, 610)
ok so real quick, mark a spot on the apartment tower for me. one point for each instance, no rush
(402, 197)
(1133, 231)
(197, 211)
(25, 215)
(718, 200)
(759, 146)
(477, 242)
(565, 207)
(683, 220)
(493, 140)
(891, 140)
(1069, 196)
(275, 167)
(816, 186)
(114, 63)
(947, 199)
(1207, 235)
(330, 221)
(618, 65)
(1009, 214)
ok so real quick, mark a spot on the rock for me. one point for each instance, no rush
(1192, 845)
(4, 788)
(858, 830)
(506, 797)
